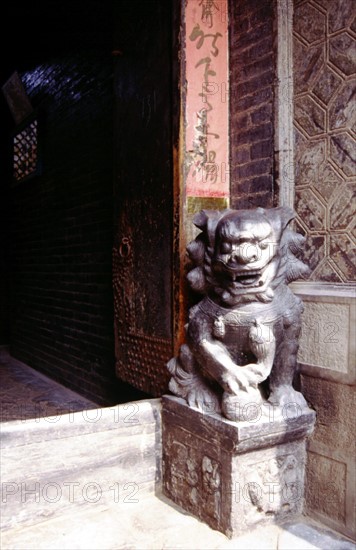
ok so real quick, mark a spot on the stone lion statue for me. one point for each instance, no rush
(242, 337)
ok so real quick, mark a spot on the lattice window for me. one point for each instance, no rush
(25, 152)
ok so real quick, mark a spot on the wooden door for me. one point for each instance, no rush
(143, 193)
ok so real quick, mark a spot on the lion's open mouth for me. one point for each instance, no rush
(245, 278)
(236, 278)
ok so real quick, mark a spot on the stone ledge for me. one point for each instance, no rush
(135, 417)
(307, 289)
(237, 437)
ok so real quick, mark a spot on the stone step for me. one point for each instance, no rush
(91, 480)
(60, 465)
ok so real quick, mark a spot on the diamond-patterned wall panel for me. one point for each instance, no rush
(342, 53)
(326, 85)
(325, 272)
(340, 14)
(343, 152)
(314, 249)
(342, 209)
(328, 182)
(325, 146)
(310, 116)
(309, 22)
(342, 111)
(308, 61)
(342, 251)
(310, 154)
(310, 210)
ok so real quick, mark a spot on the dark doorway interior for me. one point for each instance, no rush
(98, 75)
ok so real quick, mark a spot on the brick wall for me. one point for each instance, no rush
(61, 230)
(252, 73)
(4, 217)
(4, 293)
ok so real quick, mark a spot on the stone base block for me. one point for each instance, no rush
(234, 476)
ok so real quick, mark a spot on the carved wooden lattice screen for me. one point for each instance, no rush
(25, 154)
(325, 121)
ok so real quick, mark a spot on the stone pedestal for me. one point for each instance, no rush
(235, 476)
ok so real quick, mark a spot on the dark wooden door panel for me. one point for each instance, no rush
(142, 255)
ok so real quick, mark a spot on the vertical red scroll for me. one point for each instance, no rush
(206, 102)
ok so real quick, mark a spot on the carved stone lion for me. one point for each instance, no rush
(245, 330)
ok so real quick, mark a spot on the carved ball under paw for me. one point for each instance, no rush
(244, 407)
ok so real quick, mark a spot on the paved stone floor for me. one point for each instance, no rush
(26, 393)
(153, 523)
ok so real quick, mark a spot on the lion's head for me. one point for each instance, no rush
(243, 255)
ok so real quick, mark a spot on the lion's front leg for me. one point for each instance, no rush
(263, 346)
(281, 380)
(235, 405)
(218, 363)
(189, 383)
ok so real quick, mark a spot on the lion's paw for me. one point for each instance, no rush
(286, 396)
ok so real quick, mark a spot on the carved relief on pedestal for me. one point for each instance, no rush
(276, 485)
(211, 470)
(196, 478)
